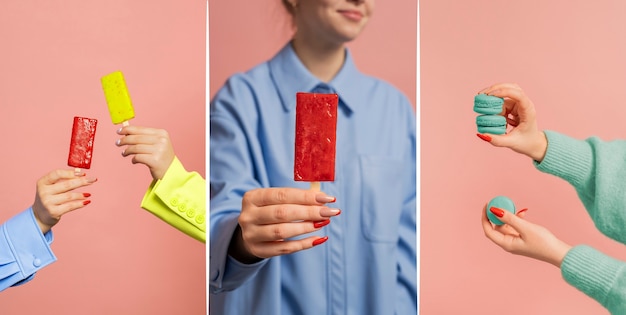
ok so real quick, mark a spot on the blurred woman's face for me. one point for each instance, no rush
(335, 21)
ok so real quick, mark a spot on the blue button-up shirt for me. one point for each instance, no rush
(368, 264)
(23, 249)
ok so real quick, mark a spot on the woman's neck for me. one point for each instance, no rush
(323, 60)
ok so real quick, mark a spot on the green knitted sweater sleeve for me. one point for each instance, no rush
(599, 276)
(597, 170)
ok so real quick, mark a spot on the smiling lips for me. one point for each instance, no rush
(352, 15)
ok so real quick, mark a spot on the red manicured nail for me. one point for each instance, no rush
(523, 210)
(319, 224)
(320, 240)
(86, 202)
(497, 211)
(86, 195)
(484, 137)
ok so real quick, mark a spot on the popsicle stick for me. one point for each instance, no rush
(315, 186)
(77, 170)
(125, 123)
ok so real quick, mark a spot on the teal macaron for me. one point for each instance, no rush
(493, 124)
(502, 202)
(487, 104)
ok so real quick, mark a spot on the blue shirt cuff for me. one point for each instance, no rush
(27, 249)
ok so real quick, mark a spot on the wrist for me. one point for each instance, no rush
(238, 251)
(539, 147)
(559, 253)
(42, 226)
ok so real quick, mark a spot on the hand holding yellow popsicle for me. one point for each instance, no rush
(118, 99)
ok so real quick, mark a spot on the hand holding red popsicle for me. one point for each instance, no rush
(56, 196)
(270, 216)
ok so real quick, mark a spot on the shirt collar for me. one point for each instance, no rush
(291, 76)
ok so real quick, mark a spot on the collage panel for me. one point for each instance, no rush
(85, 197)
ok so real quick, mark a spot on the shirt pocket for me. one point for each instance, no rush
(382, 196)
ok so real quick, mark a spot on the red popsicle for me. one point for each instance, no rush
(316, 127)
(81, 145)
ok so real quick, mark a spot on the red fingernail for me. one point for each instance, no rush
(523, 210)
(497, 211)
(319, 224)
(86, 195)
(320, 240)
(86, 202)
(484, 137)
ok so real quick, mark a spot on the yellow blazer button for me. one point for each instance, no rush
(174, 201)
(200, 219)
(182, 207)
(191, 213)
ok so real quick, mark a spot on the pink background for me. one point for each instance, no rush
(570, 61)
(113, 256)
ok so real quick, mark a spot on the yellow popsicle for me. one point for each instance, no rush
(118, 99)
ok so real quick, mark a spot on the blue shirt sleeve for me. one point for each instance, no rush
(23, 249)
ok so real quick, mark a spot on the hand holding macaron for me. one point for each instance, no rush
(519, 112)
(520, 237)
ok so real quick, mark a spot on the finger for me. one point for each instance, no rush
(509, 218)
(138, 149)
(65, 185)
(69, 197)
(277, 248)
(138, 139)
(506, 230)
(137, 130)
(284, 195)
(288, 213)
(496, 86)
(70, 206)
(513, 93)
(512, 122)
(280, 231)
(63, 198)
(499, 86)
(58, 175)
(493, 87)
(491, 233)
(522, 213)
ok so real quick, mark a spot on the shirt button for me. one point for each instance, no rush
(37, 262)
(200, 219)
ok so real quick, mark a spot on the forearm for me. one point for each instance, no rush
(179, 199)
(227, 273)
(599, 276)
(596, 169)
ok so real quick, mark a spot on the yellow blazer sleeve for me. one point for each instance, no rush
(179, 199)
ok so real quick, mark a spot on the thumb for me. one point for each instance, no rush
(511, 219)
(500, 140)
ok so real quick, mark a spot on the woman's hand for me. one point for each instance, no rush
(524, 137)
(520, 237)
(55, 196)
(270, 216)
(149, 146)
